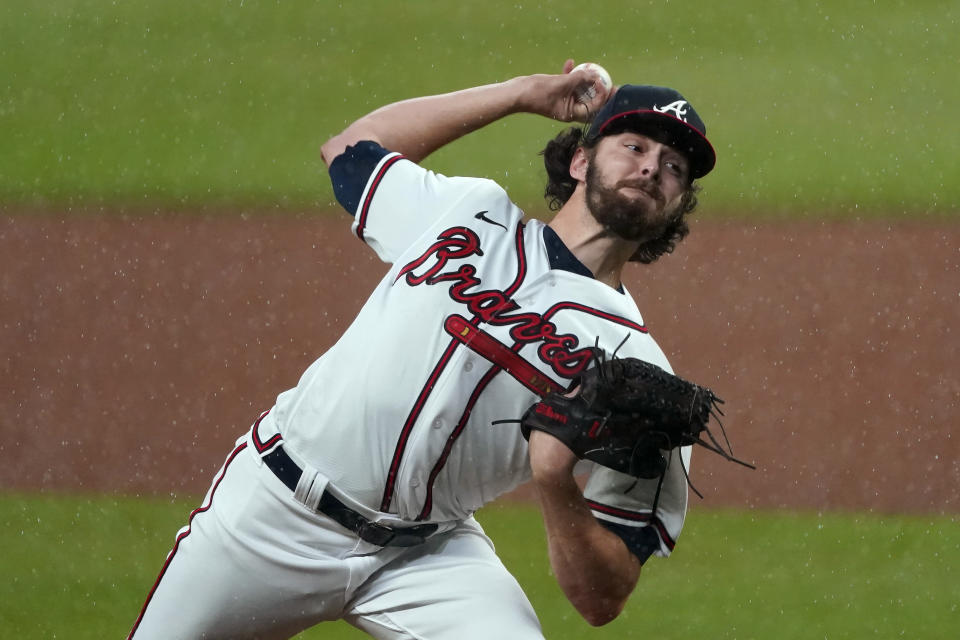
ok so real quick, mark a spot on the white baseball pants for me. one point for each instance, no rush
(255, 563)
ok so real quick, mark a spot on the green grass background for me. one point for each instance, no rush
(80, 566)
(843, 108)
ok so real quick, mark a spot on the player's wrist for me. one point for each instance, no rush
(551, 461)
(523, 89)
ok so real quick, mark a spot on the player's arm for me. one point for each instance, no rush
(593, 566)
(419, 126)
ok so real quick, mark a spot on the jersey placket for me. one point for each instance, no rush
(414, 415)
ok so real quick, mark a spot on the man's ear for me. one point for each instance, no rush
(578, 165)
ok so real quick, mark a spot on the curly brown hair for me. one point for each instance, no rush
(556, 159)
(560, 186)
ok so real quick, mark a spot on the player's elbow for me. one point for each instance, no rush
(599, 604)
(336, 145)
(602, 598)
(600, 611)
(602, 618)
(331, 149)
(353, 134)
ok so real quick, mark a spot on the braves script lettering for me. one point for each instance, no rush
(559, 350)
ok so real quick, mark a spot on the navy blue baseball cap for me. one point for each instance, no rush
(643, 107)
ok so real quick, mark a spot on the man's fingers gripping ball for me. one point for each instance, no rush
(600, 78)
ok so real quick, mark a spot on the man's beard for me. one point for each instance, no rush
(634, 219)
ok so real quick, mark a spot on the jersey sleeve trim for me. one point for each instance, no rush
(628, 518)
(351, 171)
(642, 542)
(375, 182)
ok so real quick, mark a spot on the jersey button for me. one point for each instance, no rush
(414, 483)
(437, 423)
(468, 366)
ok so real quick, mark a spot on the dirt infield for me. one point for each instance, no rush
(136, 349)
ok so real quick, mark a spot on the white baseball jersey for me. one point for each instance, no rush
(479, 313)
(399, 414)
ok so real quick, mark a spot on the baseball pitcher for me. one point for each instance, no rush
(496, 350)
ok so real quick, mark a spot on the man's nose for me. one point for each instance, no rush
(650, 163)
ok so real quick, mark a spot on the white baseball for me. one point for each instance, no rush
(589, 93)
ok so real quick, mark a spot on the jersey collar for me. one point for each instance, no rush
(562, 258)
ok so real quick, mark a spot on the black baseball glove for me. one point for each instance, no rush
(627, 414)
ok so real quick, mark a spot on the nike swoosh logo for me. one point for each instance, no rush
(481, 216)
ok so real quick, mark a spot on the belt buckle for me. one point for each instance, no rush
(377, 534)
(413, 536)
(383, 536)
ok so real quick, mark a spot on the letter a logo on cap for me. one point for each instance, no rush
(678, 108)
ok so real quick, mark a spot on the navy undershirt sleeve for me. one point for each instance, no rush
(350, 171)
(642, 541)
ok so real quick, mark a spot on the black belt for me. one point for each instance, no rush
(373, 532)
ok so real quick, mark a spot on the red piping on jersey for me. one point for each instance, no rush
(263, 446)
(411, 419)
(494, 370)
(560, 306)
(415, 413)
(482, 343)
(499, 365)
(475, 396)
(201, 509)
(452, 439)
(635, 516)
(365, 207)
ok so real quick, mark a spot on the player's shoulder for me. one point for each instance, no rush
(483, 187)
(410, 177)
(482, 200)
(648, 350)
(621, 331)
(366, 168)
